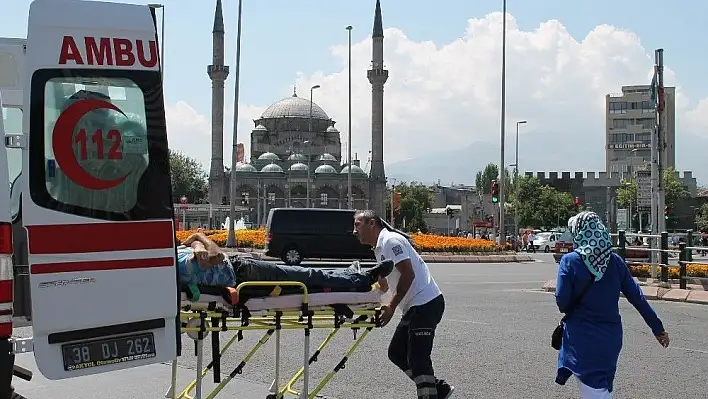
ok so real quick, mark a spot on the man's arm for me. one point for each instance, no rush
(210, 245)
(395, 250)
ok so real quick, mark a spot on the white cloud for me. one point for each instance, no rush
(448, 96)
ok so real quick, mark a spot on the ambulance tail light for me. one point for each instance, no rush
(5, 280)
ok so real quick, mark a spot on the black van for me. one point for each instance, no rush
(293, 234)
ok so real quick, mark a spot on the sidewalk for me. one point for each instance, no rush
(694, 293)
(441, 257)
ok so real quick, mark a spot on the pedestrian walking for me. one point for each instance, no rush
(589, 282)
(418, 297)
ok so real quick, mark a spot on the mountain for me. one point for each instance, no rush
(460, 166)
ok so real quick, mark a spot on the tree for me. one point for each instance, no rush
(674, 190)
(483, 180)
(416, 200)
(188, 178)
(702, 218)
(541, 206)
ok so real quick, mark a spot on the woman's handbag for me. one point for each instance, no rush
(557, 335)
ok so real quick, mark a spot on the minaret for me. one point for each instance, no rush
(217, 73)
(377, 77)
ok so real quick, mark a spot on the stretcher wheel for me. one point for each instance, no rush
(271, 396)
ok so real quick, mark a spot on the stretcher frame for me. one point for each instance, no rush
(200, 318)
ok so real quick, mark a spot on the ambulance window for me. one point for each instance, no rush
(12, 122)
(108, 147)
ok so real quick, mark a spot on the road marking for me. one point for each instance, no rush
(491, 282)
(467, 321)
(688, 349)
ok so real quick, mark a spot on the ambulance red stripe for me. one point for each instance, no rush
(100, 237)
(100, 265)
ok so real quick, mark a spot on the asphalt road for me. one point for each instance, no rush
(492, 343)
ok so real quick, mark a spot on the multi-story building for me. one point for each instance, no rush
(630, 120)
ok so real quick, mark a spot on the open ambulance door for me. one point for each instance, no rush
(97, 198)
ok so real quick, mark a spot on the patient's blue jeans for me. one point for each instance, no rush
(316, 279)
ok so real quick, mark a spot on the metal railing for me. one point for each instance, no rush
(658, 255)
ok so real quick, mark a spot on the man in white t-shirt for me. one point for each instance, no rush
(416, 294)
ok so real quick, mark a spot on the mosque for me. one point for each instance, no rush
(295, 156)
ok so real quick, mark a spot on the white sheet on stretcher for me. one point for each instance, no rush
(294, 301)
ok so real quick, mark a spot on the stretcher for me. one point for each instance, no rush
(220, 309)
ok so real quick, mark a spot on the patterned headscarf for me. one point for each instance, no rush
(592, 241)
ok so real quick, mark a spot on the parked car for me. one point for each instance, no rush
(563, 245)
(295, 234)
(546, 241)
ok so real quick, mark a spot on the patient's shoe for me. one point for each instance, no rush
(445, 390)
(381, 270)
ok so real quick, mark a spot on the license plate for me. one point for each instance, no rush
(97, 353)
(564, 250)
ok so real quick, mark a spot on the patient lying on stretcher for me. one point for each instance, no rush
(202, 262)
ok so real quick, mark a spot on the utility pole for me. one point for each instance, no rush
(661, 140)
(502, 165)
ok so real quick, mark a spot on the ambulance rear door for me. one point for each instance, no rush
(97, 205)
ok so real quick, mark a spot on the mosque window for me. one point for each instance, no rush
(323, 199)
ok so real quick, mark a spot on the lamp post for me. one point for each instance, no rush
(516, 175)
(309, 150)
(162, 45)
(231, 238)
(502, 165)
(349, 128)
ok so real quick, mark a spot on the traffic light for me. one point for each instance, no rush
(576, 203)
(495, 192)
(666, 212)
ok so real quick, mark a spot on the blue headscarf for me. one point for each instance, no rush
(592, 241)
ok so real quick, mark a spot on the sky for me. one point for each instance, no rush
(444, 61)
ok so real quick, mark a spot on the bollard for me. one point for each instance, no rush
(622, 244)
(689, 242)
(664, 258)
(683, 260)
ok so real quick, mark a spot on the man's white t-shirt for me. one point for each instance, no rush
(395, 247)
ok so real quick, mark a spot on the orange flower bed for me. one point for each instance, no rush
(692, 270)
(244, 238)
(422, 242)
(435, 243)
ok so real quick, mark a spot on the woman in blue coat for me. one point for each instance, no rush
(592, 339)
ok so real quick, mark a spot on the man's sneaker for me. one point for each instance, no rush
(445, 390)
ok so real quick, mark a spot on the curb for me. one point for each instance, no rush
(657, 293)
(432, 258)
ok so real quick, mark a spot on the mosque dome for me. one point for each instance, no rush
(272, 168)
(260, 128)
(355, 170)
(245, 167)
(332, 129)
(268, 156)
(327, 157)
(325, 169)
(297, 157)
(294, 107)
(298, 167)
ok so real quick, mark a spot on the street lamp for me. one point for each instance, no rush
(349, 129)
(231, 238)
(516, 175)
(162, 39)
(309, 152)
(309, 155)
(502, 165)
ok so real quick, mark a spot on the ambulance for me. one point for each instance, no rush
(87, 237)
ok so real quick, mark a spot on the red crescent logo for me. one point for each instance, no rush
(62, 144)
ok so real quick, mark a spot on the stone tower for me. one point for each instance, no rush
(377, 77)
(217, 73)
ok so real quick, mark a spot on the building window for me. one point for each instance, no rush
(620, 123)
(271, 198)
(647, 123)
(244, 198)
(323, 199)
(618, 108)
